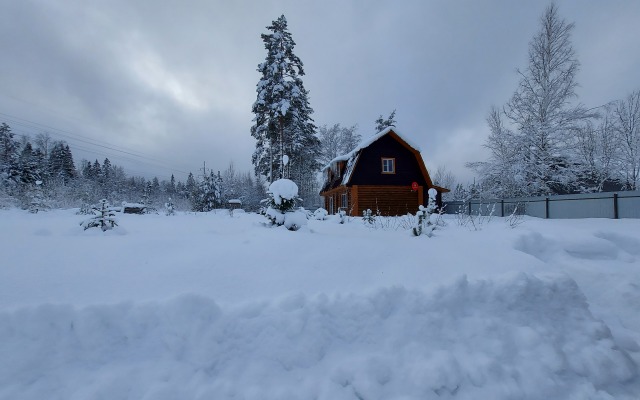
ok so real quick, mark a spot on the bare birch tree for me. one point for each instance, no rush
(627, 126)
(502, 174)
(541, 109)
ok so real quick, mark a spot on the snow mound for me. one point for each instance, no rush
(521, 338)
(626, 243)
(600, 246)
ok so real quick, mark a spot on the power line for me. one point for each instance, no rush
(80, 138)
(117, 158)
(30, 126)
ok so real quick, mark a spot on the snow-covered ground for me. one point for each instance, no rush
(213, 306)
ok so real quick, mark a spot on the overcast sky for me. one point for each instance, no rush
(162, 86)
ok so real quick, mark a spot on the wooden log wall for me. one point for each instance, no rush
(390, 200)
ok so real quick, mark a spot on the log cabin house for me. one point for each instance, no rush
(378, 175)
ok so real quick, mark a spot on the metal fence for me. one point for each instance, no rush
(589, 205)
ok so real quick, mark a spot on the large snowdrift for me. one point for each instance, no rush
(216, 305)
(517, 338)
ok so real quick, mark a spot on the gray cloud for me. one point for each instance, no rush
(175, 80)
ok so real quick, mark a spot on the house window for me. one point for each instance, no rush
(343, 201)
(388, 165)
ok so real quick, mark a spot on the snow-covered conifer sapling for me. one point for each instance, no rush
(281, 205)
(104, 218)
(426, 224)
(169, 208)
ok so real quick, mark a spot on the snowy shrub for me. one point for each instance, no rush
(369, 218)
(104, 218)
(515, 218)
(320, 214)
(342, 216)
(280, 206)
(37, 200)
(169, 208)
(426, 221)
(475, 221)
(85, 209)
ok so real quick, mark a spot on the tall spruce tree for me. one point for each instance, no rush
(61, 166)
(28, 165)
(286, 142)
(9, 172)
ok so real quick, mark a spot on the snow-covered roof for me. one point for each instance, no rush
(367, 142)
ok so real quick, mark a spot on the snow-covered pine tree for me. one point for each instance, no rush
(382, 124)
(28, 165)
(104, 178)
(169, 207)
(281, 205)
(61, 166)
(191, 187)
(426, 225)
(146, 196)
(104, 219)
(9, 173)
(282, 122)
(37, 200)
(171, 187)
(208, 195)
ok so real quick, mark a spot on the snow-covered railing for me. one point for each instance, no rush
(623, 204)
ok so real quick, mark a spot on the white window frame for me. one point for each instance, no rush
(388, 162)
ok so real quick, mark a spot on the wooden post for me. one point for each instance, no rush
(615, 206)
(502, 207)
(469, 206)
(546, 207)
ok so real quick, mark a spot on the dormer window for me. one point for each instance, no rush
(335, 167)
(388, 165)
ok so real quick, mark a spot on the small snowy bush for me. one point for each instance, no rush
(104, 219)
(281, 204)
(515, 218)
(368, 217)
(169, 208)
(320, 214)
(475, 221)
(342, 215)
(37, 201)
(426, 221)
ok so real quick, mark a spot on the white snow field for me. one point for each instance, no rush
(213, 306)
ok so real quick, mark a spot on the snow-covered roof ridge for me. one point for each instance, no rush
(368, 142)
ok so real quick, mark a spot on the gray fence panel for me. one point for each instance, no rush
(629, 205)
(537, 207)
(588, 205)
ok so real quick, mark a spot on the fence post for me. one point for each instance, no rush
(469, 206)
(502, 207)
(546, 207)
(615, 206)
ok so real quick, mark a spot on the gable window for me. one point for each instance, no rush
(388, 165)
